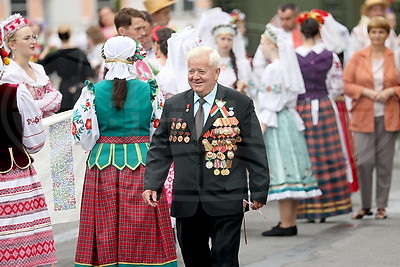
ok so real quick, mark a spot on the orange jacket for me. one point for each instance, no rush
(357, 75)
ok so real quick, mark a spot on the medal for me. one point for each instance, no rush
(231, 113)
(230, 155)
(178, 125)
(174, 139)
(220, 156)
(238, 139)
(186, 139)
(209, 165)
(216, 172)
(180, 138)
(184, 125)
(170, 138)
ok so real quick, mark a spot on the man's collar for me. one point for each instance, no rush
(209, 98)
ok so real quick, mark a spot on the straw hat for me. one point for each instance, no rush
(369, 3)
(153, 6)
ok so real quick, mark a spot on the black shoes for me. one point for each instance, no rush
(279, 231)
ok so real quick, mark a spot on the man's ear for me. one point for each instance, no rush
(121, 31)
(217, 72)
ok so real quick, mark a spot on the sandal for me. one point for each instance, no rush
(380, 214)
(361, 213)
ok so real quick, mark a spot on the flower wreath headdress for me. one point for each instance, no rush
(315, 14)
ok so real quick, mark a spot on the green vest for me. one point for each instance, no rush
(132, 120)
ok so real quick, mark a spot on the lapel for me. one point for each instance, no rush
(188, 112)
(387, 66)
(366, 53)
(210, 120)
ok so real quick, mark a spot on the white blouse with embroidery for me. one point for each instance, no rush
(47, 98)
(33, 131)
(273, 97)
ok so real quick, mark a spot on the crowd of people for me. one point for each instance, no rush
(183, 123)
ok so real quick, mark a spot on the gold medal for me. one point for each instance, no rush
(227, 172)
(184, 125)
(173, 125)
(186, 139)
(216, 172)
(238, 139)
(209, 165)
(178, 125)
(230, 155)
(220, 156)
(180, 138)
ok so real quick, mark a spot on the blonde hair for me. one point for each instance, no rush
(213, 56)
(379, 22)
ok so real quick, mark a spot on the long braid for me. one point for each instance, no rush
(120, 92)
(234, 66)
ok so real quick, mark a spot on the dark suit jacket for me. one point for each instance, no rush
(219, 195)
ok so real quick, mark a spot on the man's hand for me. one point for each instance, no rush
(150, 198)
(256, 205)
(384, 95)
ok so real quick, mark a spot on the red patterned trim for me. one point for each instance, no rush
(123, 139)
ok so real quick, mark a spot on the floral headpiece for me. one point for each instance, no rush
(3, 52)
(140, 54)
(12, 24)
(237, 16)
(315, 14)
(224, 29)
(154, 33)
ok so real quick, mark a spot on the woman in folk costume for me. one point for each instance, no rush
(160, 37)
(322, 75)
(26, 236)
(335, 39)
(113, 119)
(20, 42)
(291, 175)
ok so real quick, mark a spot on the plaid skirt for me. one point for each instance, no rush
(26, 235)
(117, 228)
(327, 161)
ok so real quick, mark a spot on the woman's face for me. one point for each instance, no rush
(377, 36)
(23, 42)
(224, 42)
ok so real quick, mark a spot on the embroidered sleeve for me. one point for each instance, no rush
(271, 96)
(157, 104)
(51, 100)
(33, 131)
(85, 129)
(334, 80)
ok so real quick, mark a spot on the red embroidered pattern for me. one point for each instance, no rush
(123, 139)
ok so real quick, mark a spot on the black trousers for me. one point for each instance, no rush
(195, 232)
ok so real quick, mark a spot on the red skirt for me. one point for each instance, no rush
(117, 227)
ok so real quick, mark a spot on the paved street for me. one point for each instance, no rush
(340, 241)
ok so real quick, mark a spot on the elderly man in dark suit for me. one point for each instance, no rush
(213, 136)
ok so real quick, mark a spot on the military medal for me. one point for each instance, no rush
(184, 125)
(180, 138)
(178, 125)
(216, 172)
(230, 155)
(209, 165)
(187, 108)
(170, 138)
(174, 138)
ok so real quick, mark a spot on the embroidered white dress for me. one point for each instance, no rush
(26, 236)
(47, 98)
(290, 166)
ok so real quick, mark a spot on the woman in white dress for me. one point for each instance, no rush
(20, 42)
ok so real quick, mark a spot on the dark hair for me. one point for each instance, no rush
(290, 6)
(163, 35)
(234, 66)
(120, 91)
(124, 17)
(64, 36)
(309, 28)
(148, 17)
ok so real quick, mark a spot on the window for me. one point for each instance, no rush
(188, 5)
(19, 6)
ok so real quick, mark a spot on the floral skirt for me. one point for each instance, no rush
(290, 167)
(26, 236)
(117, 228)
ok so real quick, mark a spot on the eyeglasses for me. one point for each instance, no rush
(28, 38)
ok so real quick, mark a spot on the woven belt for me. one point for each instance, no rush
(123, 139)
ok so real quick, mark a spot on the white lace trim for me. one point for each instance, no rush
(294, 195)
